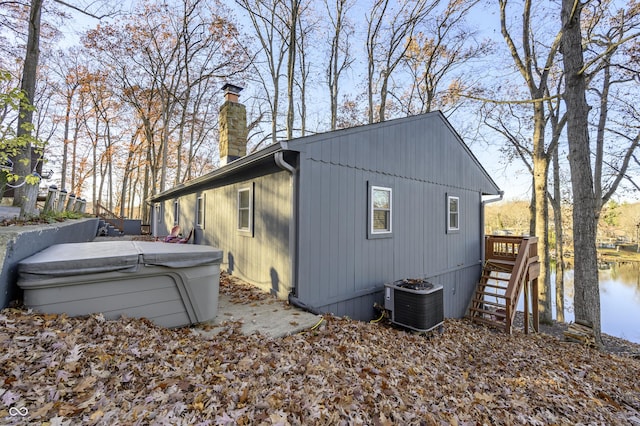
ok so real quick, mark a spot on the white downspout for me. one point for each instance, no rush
(293, 220)
(484, 203)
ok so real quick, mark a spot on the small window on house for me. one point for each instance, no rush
(245, 210)
(380, 211)
(453, 213)
(200, 208)
(176, 212)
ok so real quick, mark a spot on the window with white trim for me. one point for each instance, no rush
(453, 213)
(245, 210)
(200, 210)
(176, 212)
(380, 211)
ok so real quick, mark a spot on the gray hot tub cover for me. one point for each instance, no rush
(108, 256)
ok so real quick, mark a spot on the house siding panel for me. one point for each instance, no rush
(422, 162)
(339, 268)
(439, 155)
(262, 259)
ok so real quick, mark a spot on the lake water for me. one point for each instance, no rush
(619, 299)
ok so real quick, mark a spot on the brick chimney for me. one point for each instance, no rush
(233, 126)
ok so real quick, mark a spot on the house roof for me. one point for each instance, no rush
(306, 144)
(262, 156)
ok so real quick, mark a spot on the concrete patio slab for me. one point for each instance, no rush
(272, 317)
(265, 315)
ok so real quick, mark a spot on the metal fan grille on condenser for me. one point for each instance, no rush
(415, 304)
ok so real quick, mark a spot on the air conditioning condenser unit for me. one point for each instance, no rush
(415, 304)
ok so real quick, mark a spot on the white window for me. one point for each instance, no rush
(453, 213)
(176, 212)
(380, 211)
(245, 210)
(200, 209)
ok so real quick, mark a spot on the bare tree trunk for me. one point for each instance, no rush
(337, 63)
(147, 189)
(525, 61)
(532, 208)
(374, 24)
(128, 173)
(94, 172)
(74, 157)
(291, 65)
(109, 171)
(393, 49)
(586, 288)
(540, 187)
(272, 37)
(305, 69)
(22, 166)
(557, 220)
(65, 147)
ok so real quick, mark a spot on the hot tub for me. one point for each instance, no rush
(172, 285)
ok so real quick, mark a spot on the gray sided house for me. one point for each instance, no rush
(328, 219)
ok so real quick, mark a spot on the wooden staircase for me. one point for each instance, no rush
(511, 265)
(110, 217)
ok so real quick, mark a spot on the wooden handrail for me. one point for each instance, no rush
(500, 247)
(109, 216)
(522, 254)
(520, 273)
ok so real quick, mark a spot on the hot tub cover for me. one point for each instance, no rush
(108, 256)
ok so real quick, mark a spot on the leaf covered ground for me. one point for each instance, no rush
(94, 371)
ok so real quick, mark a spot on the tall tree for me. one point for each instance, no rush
(294, 7)
(536, 75)
(303, 46)
(439, 59)
(388, 31)
(169, 62)
(271, 30)
(67, 68)
(340, 56)
(589, 197)
(586, 290)
(24, 195)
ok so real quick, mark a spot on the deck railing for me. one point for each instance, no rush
(522, 253)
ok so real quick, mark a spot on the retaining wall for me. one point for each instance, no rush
(20, 242)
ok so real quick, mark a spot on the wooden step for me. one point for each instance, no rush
(488, 293)
(500, 266)
(488, 322)
(496, 304)
(504, 287)
(493, 313)
(489, 277)
(501, 262)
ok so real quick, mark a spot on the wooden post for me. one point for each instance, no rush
(49, 203)
(77, 205)
(527, 289)
(70, 202)
(61, 199)
(29, 209)
(536, 317)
